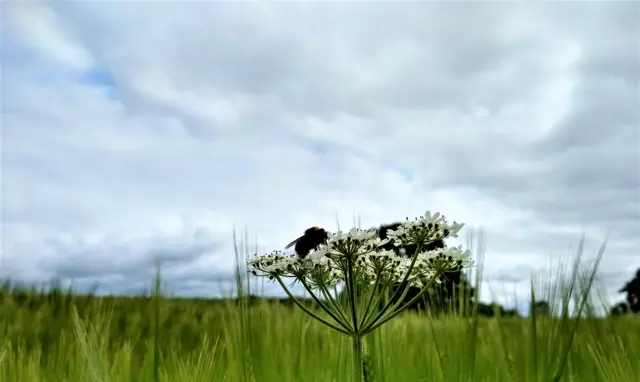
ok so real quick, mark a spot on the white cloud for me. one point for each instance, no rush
(39, 31)
(520, 119)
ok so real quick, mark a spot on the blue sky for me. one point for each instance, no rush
(101, 78)
(135, 131)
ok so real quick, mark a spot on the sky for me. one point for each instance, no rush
(138, 131)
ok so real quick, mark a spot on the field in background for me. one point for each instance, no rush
(60, 336)
(64, 337)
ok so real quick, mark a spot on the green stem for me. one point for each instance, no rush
(307, 311)
(404, 285)
(352, 295)
(357, 359)
(343, 323)
(382, 290)
(372, 294)
(333, 302)
(394, 311)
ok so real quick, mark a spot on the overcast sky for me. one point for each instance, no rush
(133, 131)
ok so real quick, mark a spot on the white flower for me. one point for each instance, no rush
(447, 259)
(424, 230)
(378, 242)
(360, 249)
(318, 254)
(354, 235)
(352, 244)
(277, 264)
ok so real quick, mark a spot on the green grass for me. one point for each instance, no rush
(74, 338)
(61, 336)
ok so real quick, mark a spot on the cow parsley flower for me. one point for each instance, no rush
(424, 230)
(353, 243)
(357, 261)
(447, 259)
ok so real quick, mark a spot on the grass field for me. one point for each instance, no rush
(61, 336)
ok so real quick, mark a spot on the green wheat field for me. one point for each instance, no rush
(61, 336)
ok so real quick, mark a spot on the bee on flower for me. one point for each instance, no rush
(395, 243)
(310, 240)
(367, 264)
(388, 234)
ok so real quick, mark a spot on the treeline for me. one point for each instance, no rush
(445, 298)
(453, 295)
(631, 305)
(437, 301)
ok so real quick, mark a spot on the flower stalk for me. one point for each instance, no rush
(357, 369)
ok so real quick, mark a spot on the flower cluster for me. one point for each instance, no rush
(359, 251)
(360, 258)
(424, 230)
(427, 265)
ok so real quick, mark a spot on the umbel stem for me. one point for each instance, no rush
(356, 369)
(356, 337)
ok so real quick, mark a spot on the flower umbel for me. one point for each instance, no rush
(424, 230)
(356, 261)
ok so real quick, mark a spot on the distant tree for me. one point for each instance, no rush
(632, 289)
(620, 309)
(541, 308)
(494, 309)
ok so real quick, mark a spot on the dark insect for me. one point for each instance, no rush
(315, 236)
(308, 242)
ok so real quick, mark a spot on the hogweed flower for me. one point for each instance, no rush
(424, 230)
(356, 261)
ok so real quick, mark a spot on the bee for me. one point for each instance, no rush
(311, 239)
(315, 236)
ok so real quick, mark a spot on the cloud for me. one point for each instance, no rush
(123, 142)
